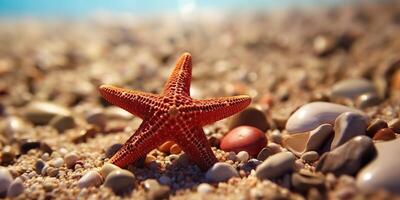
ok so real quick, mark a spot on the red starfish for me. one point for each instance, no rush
(173, 115)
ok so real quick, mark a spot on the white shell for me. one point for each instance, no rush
(310, 116)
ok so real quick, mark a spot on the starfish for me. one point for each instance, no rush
(172, 115)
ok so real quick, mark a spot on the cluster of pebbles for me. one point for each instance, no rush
(324, 121)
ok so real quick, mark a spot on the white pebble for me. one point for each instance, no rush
(243, 156)
(204, 188)
(91, 178)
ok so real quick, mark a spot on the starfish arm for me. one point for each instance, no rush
(147, 137)
(195, 144)
(179, 80)
(138, 103)
(212, 110)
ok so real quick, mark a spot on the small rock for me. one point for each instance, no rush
(71, 159)
(204, 188)
(7, 155)
(265, 153)
(62, 122)
(382, 172)
(395, 125)
(244, 138)
(347, 126)
(113, 149)
(312, 115)
(120, 181)
(242, 156)
(57, 162)
(220, 172)
(250, 116)
(97, 118)
(349, 157)
(275, 137)
(367, 100)
(39, 165)
(158, 193)
(5, 181)
(310, 156)
(28, 144)
(352, 88)
(14, 126)
(375, 126)
(275, 166)
(40, 113)
(304, 182)
(385, 134)
(16, 188)
(89, 179)
(107, 169)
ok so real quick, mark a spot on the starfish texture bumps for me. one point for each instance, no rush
(172, 115)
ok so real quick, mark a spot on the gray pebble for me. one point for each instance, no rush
(367, 100)
(352, 88)
(91, 178)
(204, 188)
(113, 149)
(347, 126)
(120, 181)
(57, 162)
(107, 169)
(276, 166)
(5, 181)
(220, 172)
(310, 156)
(264, 153)
(40, 113)
(62, 122)
(39, 165)
(16, 188)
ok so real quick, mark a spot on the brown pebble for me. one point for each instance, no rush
(7, 156)
(113, 149)
(28, 144)
(394, 124)
(375, 126)
(251, 116)
(85, 134)
(244, 138)
(384, 134)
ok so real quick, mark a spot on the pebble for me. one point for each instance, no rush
(113, 149)
(347, 126)
(158, 193)
(165, 180)
(265, 153)
(275, 166)
(57, 162)
(39, 165)
(89, 179)
(312, 115)
(14, 126)
(251, 116)
(367, 100)
(221, 172)
(45, 148)
(120, 181)
(310, 156)
(349, 157)
(52, 172)
(107, 169)
(385, 134)
(62, 122)
(16, 188)
(383, 172)
(242, 156)
(394, 124)
(40, 113)
(275, 137)
(303, 182)
(71, 159)
(352, 88)
(28, 144)
(204, 188)
(309, 141)
(375, 126)
(150, 184)
(5, 181)
(7, 155)
(244, 138)
(97, 118)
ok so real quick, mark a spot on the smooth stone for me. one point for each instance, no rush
(375, 126)
(158, 193)
(394, 124)
(97, 118)
(7, 155)
(14, 126)
(302, 183)
(310, 156)
(347, 126)
(242, 156)
(89, 179)
(40, 113)
(275, 166)
(352, 88)
(62, 123)
(39, 165)
(113, 149)
(312, 115)
(349, 157)
(249, 165)
(275, 137)
(221, 172)
(57, 162)
(107, 169)
(265, 153)
(114, 112)
(250, 116)
(244, 138)
(314, 140)
(120, 181)
(385, 134)
(205, 188)
(71, 159)
(367, 100)
(5, 181)
(383, 172)
(28, 144)
(16, 188)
